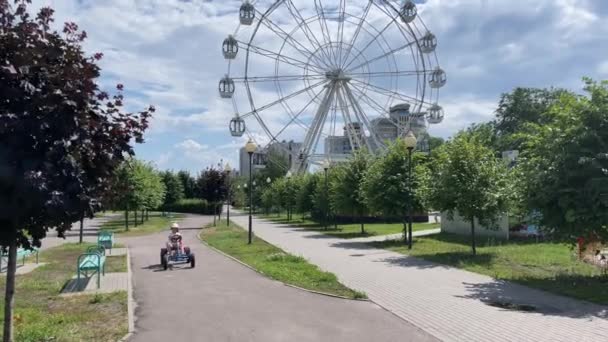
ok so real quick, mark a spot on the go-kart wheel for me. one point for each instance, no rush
(163, 252)
(192, 261)
(165, 262)
(187, 250)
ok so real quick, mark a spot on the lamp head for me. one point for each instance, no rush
(227, 168)
(288, 175)
(268, 180)
(410, 140)
(250, 147)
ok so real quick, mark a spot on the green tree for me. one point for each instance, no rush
(304, 198)
(564, 165)
(465, 177)
(385, 187)
(188, 183)
(346, 195)
(174, 187)
(277, 166)
(62, 137)
(521, 107)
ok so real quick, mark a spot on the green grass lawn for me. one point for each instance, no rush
(348, 231)
(274, 262)
(545, 265)
(42, 315)
(156, 223)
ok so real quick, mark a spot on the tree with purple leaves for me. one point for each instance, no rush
(61, 136)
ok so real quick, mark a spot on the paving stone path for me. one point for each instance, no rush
(450, 304)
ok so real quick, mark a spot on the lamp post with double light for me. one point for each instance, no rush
(410, 143)
(250, 147)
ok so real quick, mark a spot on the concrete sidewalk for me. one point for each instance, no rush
(450, 304)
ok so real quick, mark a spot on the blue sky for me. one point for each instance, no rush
(167, 53)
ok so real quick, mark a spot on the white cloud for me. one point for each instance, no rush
(167, 53)
(191, 146)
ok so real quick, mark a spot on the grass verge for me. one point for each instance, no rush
(42, 315)
(348, 231)
(546, 265)
(156, 223)
(274, 262)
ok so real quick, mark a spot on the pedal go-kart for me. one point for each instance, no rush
(176, 255)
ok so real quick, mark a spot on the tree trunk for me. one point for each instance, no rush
(405, 231)
(142, 216)
(136, 220)
(9, 298)
(81, 229)
(127, 219)
(473, 236)
(362, 224)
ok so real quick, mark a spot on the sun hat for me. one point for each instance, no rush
(175, 225)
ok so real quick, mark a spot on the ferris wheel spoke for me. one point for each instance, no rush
(277, 56)
(295, 117)
(297, 15)
(388, 92)
(380, 33)
(325, 30)
(357, 32)
(284, 98)
(353, 137)
(385, 112)
(256, 79)
(340, 35)
(272, 26)
(363, 118)
(393, 51)
(389, 73)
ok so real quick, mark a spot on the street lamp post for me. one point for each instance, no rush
(268, 181)
(252, 190)
(250, 147)
(410, 143)
(325, 169)
(228, 185)
(288, 196)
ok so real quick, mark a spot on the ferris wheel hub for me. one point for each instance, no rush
(337, 75)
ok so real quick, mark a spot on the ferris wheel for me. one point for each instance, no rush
(337, 75)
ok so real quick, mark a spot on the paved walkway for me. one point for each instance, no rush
(90, 229)
(398, 236)
(449, 303)
(221, 300)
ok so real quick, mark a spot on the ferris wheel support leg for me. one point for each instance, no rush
(357, 108)
(313, 134)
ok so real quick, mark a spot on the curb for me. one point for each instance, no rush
(289, 285)
(130, 302)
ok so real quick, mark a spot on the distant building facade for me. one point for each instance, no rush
(400, 121)
(287, 149)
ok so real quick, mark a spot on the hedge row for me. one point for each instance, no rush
(193, 206)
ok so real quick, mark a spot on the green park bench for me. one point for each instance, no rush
(105, 239)
(22, 254)
(91, 262)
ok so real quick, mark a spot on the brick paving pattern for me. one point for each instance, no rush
(450, 304)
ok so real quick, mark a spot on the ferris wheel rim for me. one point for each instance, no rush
(417, 101)
(320, 18)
